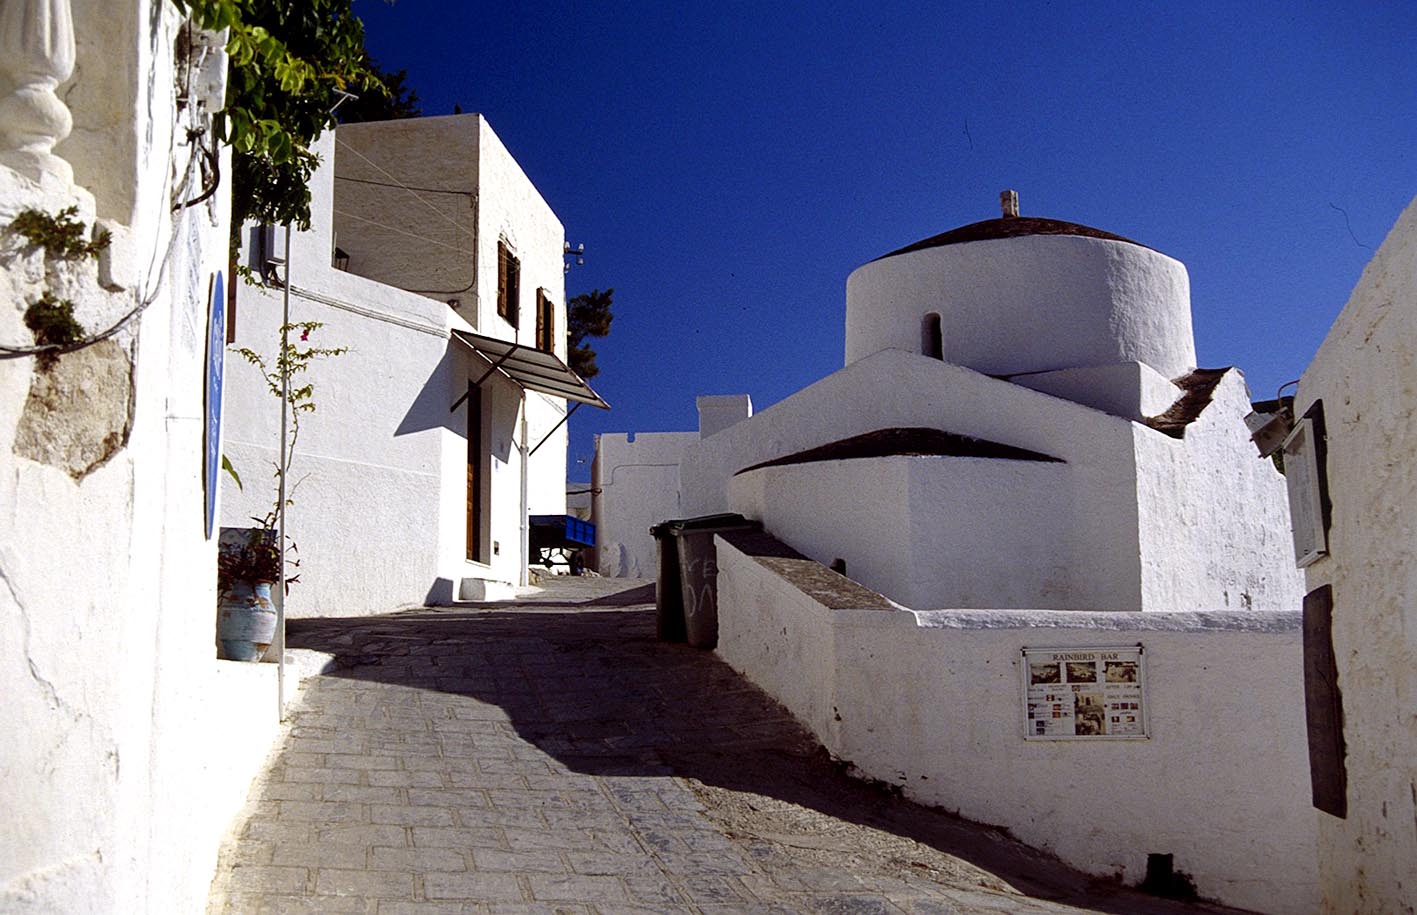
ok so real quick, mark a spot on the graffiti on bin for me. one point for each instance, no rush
(702, 598)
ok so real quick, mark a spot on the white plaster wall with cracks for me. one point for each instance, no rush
(933, 702)
(1365, 377)
(393, 268)
(107, 614)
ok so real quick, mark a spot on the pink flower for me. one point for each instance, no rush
(305, 335)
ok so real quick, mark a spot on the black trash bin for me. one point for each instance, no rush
(698, 572)
(668, 596)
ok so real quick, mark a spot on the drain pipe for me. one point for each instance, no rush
(523, 579)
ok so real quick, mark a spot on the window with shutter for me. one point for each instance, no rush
(509, 271)
(545, 322)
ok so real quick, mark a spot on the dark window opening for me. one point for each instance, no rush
(509, 280)
(932, 338)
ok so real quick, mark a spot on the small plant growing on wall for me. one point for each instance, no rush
(61, 235)
(63, 238)
(291, 364)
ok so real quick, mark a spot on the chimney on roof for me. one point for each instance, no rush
(1008, 202)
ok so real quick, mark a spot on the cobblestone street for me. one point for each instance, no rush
(549, 755)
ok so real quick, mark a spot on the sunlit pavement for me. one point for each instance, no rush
(548, 755)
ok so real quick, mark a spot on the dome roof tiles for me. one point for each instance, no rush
(1009, 227)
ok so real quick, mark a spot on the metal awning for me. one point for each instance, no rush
(531, 368)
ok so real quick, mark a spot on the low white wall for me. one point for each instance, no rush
(1365, 373)
(933, 702)
(638, 486)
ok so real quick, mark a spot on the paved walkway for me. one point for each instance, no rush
(551, 756)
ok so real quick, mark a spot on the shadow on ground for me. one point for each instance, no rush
(583, 678)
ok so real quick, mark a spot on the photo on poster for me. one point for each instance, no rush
(1121, 671)
(1044, 673)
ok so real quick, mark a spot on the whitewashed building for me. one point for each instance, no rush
(1355, 533)
(436, 262)
(1020, 459)
(128, 745)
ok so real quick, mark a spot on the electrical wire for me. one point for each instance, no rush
(454, 223)
(399, 184)
(145, 300)
(406, 187)
(423, 238)
(375, 222)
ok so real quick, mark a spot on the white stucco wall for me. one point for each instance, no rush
(933, 702)
(1366, 375)
(1003, 301)
(416, 240)
(1133, 519)
(638, 486)
(941, 531)
(895, 388)
(719, 411)
(1129, 389)
(130, 747)
(1214, 516)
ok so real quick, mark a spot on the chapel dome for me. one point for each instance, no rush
(1022, 294)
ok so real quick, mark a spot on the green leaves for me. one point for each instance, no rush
(61, 235)
(287, 62)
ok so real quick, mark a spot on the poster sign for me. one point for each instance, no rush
(1084, 693)
(216, 363)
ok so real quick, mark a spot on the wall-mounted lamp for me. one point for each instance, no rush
(1269, 430)
(455, 304)
(341, 259)
(1272, 421)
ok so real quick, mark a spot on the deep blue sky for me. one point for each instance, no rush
(728, 164)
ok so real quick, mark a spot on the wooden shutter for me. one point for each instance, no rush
(545, 322)
(503, 262)
(514, 289)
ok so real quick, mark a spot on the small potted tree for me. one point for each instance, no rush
(249, 559)
(248, 564)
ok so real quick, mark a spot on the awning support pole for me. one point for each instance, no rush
(523, 577)
(573, 409)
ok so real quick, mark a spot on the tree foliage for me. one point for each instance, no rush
(587, 315)
(289, 64)
(393, 99)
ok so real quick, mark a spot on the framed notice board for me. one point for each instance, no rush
(1085, 693)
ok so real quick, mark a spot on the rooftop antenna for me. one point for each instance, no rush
(1008, 202)
(343, 97)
